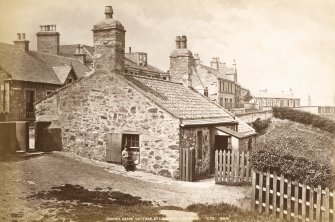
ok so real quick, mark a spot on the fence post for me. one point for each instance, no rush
(274, 194)
(311, 203)
(228, 166)
(303, 206)
(318, 203)
(281, 212)
(296, 201)
(253, 199)
(237, 167)
(289, 199)
(267, 195)
(224, 165)
(325, 215)
(260, 192)
(216, 165)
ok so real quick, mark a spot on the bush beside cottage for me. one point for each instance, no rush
(298, 151)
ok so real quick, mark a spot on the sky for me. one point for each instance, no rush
(277, 45)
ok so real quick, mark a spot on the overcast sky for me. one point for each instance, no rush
(277, 45)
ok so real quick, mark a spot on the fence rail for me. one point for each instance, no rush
(232, 167)
(291, 200)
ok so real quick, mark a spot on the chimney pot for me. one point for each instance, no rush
(23, 36)
(109, 12)
(183, 42)
(18, 36)
(178, 42)
(129, 49)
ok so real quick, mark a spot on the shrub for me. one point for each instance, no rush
(271, 159)
(260, 125)
(305, 118)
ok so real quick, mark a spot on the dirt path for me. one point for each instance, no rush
(21, 178)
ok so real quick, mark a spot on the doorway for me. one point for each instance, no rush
(221, 143)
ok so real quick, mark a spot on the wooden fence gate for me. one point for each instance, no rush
(232, 167)
(291, 200)
(187, 164)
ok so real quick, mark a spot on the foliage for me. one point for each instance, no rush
(298, 151)
(261, 125)
(305, 118)
(247, 97)
(225, 212)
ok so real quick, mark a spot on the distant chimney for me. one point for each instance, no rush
(48, 40)
(196, 59)
(21, 42)
(129, 49)
(178, 42)
(80, 55)
(109, 12)
(183, 42)
(215, 63)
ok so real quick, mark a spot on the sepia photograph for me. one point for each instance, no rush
(167, 110)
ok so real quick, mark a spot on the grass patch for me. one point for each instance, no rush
(75, 203)
(226, 212)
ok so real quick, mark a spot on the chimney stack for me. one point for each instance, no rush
(183, 42)
(109, 44)
(215, 63)
(48, 40)
(129, 49)
(178, 42)
(109, 12)
(196, 59)
(80, 55)
(21, 42)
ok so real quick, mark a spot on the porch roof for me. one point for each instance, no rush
(231, 132)
(206, 121)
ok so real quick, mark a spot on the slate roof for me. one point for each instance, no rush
(70, 50)
(275, 95)
(223, 73)
(181, 101)
(35, 67)
(149, 68)
(62, 72)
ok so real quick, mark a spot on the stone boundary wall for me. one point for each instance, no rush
(252, 116)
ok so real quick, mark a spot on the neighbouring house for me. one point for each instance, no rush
(27, 76)
(100, 113)
(267, 100)
(218, 82)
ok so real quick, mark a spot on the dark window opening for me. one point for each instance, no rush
(69, 80)
(164, 78)
(133, 141)
(199, 145)
(30, 98)
(49, 92)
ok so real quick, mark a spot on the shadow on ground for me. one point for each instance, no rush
(75, 203)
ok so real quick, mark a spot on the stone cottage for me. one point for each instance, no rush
(100, 113)
(27, 76)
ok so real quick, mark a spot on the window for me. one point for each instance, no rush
(48, 92)
(126, 70)
(221, 102)
(133, 140)
(199, 145)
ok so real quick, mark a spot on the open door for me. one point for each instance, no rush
(114, 147)
(221, 143)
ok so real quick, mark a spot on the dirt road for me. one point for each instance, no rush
(28, 186)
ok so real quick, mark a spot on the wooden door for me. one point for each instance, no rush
(114, 147)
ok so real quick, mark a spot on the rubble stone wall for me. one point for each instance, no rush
(104, 103)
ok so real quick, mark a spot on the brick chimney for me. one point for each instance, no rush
(21, 42)
(48, 40)
(181, 62)
(80, 55)
(109, 43)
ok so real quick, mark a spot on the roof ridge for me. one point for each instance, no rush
(162, 80)
(60, 56)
